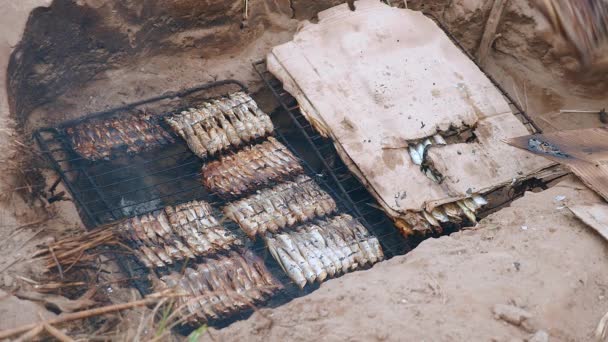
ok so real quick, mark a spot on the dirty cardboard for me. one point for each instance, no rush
(374, 79)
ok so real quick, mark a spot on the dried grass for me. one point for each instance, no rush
(79, 250)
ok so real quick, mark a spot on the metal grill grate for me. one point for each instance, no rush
(108, 191)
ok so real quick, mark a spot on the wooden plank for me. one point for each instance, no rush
(595, 176)
(489, 33)
(593, 215)
(583, 151)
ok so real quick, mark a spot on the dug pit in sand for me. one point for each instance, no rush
(381, 82)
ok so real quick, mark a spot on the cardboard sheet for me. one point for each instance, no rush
(377, 78)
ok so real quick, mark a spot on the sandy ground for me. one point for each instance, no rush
(14, 212)
(444, 290)
(534, 256)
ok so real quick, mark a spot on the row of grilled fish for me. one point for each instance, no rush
(134, 133)
(251, 168)
(176, 233)
(425, 222)
(281, 206)
(317, 250)
(219, 124)
(218, 288)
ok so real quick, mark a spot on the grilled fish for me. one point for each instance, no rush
(219, 288)
(176, 233)
(426, 222)
(220, 124)
(440, 215)
(314, 251)
(97, 139)
(239, 126)
(439, 140)
(312, 258)
(317, 239)
(467, 212)
(280, 206)
(251, 168)
(257, 126)
(231, 133)
(288, 265)
(245, 99)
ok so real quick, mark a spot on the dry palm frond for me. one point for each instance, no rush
(66, 253)
(582, 23)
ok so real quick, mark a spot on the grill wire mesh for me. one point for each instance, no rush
(110, 190)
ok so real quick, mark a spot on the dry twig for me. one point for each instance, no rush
(489, 32)
(31, 333)
(75, 316)
(56, 333)
(56, 262)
